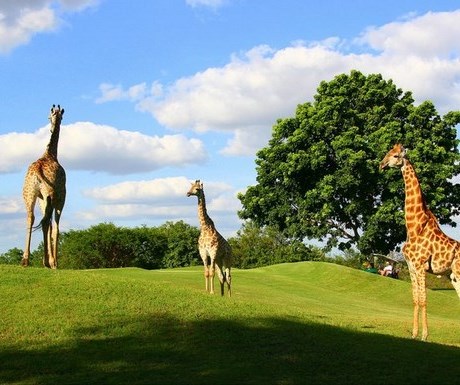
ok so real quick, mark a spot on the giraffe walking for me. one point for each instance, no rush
(213, 245)
(427, 248)
(45, 180)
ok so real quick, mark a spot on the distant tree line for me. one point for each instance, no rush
(173, 244)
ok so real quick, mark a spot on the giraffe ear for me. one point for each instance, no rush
(403, 152)
(62, 112)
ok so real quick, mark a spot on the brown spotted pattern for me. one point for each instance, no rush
(214, 250)
(427, 248)
(45, 181)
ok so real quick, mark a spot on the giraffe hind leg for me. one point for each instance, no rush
(224, 277)
(228, 279)
(45, 225)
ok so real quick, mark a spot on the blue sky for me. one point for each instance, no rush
(160, 93)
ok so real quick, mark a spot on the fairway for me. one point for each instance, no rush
(310, 322)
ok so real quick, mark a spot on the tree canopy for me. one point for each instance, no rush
(319, 177)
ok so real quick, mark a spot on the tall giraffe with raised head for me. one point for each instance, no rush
(427, 248)
(214, 250)
(45, 180)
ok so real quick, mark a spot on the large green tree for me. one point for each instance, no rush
(319, 177)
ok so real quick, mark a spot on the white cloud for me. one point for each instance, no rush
(92, 147)
(11, 207)
(172, 189)
(117, 212)
(247, 95)
(112, 92)
(206, 3)
(146, 191)
(161, 199)
(15, 157)
(20, 20)
(427, 36)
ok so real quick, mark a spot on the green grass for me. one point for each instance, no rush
(302, 323)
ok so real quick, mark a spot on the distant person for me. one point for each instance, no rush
(387, 270)
(370, 268)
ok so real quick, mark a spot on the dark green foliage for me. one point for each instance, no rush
(256, 247)
(11, 257)
(319, 177)
(106, 246)
(182, 245)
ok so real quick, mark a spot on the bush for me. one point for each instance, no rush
(256, 247)
(182, 245)
(107, 246)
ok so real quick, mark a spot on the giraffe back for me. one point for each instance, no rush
(46, 177)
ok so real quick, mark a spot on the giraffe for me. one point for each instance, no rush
(426, 248)
(213, 245)
(45, 180)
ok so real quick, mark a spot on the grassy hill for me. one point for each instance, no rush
(301, 323)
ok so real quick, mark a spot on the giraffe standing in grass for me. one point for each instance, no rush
(214, 250)
(427, 248)
(45, 180)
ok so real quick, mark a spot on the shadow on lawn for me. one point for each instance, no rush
(164, 350)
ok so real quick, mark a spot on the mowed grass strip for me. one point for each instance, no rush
(296, 323)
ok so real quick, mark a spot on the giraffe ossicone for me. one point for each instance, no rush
(426, 248)
(45, 181)
(214, 250)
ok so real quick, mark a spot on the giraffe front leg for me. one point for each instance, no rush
(419, 297)
(206, 278)
(415, 319)
(204, 258)
(422, 304)
(415, 300)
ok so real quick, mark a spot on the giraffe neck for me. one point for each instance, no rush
(415, 209)
(52, 148)
(205, 220)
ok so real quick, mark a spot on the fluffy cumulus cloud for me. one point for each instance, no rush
(11, 207)
(248, 95)
(172, 189)
(22, 19)
(88, 146)
(157, 198)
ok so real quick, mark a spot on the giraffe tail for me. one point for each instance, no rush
(46, 220)
(40, 225)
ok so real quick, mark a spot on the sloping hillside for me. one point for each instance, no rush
(284, 324)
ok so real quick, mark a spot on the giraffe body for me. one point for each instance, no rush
(45, 181)
(426, 248)
(214, 250)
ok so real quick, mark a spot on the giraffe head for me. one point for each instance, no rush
(394, 158)
(196, 188)
(55, 116)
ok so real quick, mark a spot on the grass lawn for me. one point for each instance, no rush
(301, 323)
